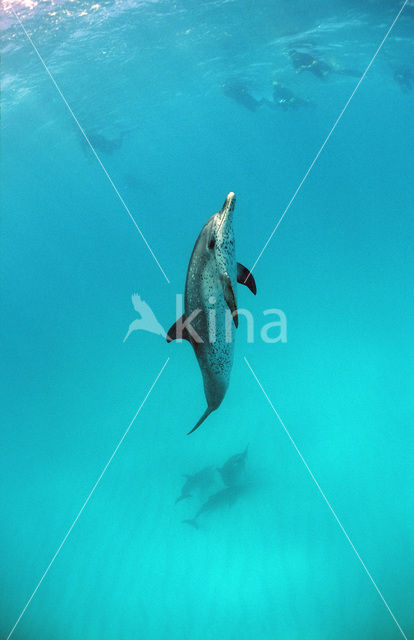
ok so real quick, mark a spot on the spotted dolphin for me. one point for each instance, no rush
(210, 296)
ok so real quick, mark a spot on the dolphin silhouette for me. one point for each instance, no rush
(210, 292)
(216, 502)
(232, 470)
(197, 482)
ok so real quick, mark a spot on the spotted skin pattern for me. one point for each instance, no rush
(212, 265)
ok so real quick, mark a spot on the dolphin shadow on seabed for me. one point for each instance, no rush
(220, 500)
(232, 475)
(197, 484)
(233, 470)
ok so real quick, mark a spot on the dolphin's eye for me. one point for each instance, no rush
(212, 243)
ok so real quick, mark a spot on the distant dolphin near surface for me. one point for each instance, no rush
(198, 482)
(210, 291)
(231, 472)
(103, 143)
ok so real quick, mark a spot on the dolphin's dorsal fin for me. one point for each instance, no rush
(244, 276)
(230, 296)
(179, 332)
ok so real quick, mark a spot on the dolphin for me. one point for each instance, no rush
(197, 482)
(103, 143)
(216, 502)
(232, 470)
(210, 293)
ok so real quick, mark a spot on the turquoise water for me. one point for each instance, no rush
(148, 78)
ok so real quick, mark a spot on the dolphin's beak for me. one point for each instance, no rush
(227, 209)
(229, 203)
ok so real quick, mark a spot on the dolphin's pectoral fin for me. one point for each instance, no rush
(192, 522)
(179, 332)
(244, 276)
(183, 498)
(230, 297)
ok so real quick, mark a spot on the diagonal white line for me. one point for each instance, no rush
(86, 501)
(312, 164)
(326, 500)
(90, 145)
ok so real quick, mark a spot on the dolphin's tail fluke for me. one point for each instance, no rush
(193, 522)
(182, 498)
(203, 417)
